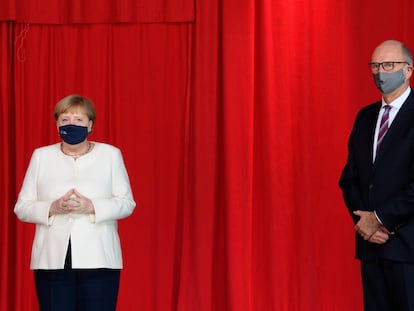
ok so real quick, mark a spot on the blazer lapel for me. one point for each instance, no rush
(404, 120)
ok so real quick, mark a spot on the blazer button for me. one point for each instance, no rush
(371, 186)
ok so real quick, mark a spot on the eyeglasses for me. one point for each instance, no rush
(387, 66)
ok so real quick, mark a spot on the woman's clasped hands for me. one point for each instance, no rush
(72, 202)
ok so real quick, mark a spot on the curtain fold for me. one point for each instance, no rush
(92, 11)
(6, 181)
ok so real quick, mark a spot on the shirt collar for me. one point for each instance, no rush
(398, 102)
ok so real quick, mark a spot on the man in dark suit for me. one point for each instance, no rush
(377, 183)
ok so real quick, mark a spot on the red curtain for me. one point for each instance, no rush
(93, 11)
(233, 128)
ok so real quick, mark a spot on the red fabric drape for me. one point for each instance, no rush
(93, 11)
(139, 110)
(233, 128)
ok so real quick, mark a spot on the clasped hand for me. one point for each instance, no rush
(370, 228)
(72, 202)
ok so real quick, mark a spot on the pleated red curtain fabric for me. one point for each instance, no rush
(93, 11)
(137, 75)
(233, 126)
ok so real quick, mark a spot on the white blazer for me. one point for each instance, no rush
(99, 175)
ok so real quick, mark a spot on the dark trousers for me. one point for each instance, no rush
(387, 285)
(77, 289)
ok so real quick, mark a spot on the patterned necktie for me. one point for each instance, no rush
(383, 125)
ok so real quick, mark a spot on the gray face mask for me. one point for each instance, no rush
(388, 82)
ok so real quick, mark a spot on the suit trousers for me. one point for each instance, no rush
(77, 289)
(387, 285)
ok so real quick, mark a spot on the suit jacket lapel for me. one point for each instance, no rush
(403, 121)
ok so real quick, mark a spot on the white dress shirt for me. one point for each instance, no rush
(395, 107)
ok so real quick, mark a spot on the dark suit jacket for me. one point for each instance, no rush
(387, 185)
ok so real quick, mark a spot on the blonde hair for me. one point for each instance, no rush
(75, 101)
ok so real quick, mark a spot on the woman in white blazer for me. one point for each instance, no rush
(75, 191)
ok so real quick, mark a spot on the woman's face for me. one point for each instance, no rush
(75, 116)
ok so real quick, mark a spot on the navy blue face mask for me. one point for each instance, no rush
(73, 134)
